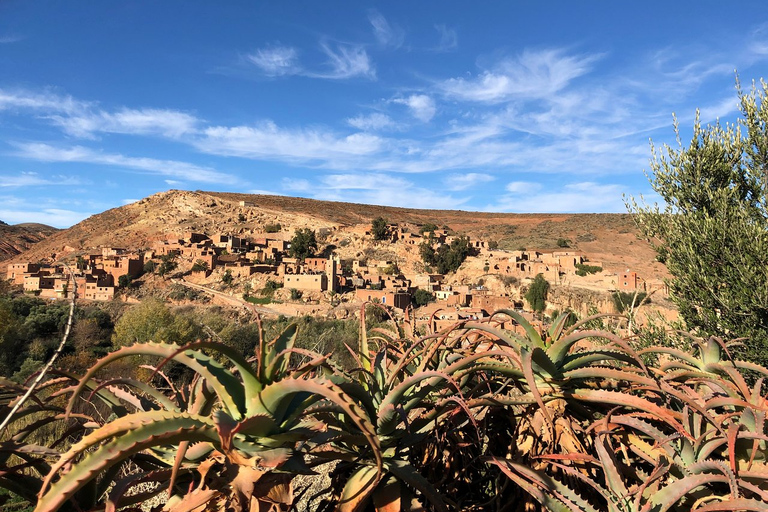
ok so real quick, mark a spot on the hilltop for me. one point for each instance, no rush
(21, 237)
(610, 238)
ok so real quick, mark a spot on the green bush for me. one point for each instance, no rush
(582, 269)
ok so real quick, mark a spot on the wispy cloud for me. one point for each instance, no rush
(46, 101)
(579, 197)
(269, 141)
(33, 179)
(56, 217)
(449, 39)
(163, 122)
(345, 61)
(376, 188)
(532, 74)
(10, 38)
(457, 182)
(171, 168)
(385, 33)
(372, 122)
(422, 106)
(276, 60)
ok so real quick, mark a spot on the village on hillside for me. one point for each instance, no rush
(239, 266)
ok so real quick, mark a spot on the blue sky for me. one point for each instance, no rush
(491, 106)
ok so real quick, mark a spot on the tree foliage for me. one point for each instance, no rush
(167, 264)
(447, 258)
(379, 228)
(303, 243)
(537, 294)
(713, 231)
(422, 297)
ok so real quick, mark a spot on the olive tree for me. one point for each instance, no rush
(712, 231)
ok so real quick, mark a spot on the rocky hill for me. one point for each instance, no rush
(21, 237)
(609, 238)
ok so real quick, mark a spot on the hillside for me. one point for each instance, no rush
(21, 237)
(610, 238)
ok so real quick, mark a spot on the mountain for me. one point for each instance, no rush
(18, 238)
(609, 238)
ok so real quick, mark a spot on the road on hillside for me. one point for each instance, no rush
(229, 299)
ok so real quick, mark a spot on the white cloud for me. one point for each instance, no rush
(449, 40)
(422, 106)
(386, 34)
(345, 61)
(465, 181)
(171, 168)
(55, 217)
(271, 142)
(276, 60)
(33, 179)
(163, 122)
(129, 201)
(532, 74)
(580, 197)
(522, 187)
(372, 122)
(373, 188)
(10, 38)
(46, 101)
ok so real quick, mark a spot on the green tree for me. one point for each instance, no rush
(167, 264)
(428, 228)
(124, 281)
(153, 321)
(379, 228)
(303, 243)
(227, 277)
(200, 266)
(713, 229)
(563, 242)
(150, 267)
(422, 297)
(537, 294)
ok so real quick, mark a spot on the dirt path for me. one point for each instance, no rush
(230, 299)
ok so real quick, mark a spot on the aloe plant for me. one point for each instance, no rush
(237, 425)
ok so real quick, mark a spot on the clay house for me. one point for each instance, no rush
(119, 266)
(314, 265)
(629, 282)
(397, 299)
(16, 271)
(306, 282)
(99, 287)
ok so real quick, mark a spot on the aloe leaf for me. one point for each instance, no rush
(273, 398)
(510, 339)
(668, 496)
(533, 335)
(228, 388)
(551, 494)
(124, 439)
(412, 478)
(275, 361)
(740, 505)
(358, 489)
(387, 496)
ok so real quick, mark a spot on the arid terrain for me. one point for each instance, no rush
(20, 237)
(609, 238)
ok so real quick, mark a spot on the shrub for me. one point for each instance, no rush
(537, 294)
(563, 242)
(624, 301)
(273, 228)
(422, 297)
(379, 228)
(296, 294)
(583, 269)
